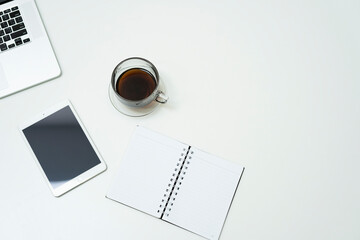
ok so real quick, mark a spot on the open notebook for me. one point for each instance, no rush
(176, 182)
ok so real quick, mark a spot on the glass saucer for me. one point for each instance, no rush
(133, 111)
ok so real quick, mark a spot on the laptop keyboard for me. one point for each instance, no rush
(12, 29)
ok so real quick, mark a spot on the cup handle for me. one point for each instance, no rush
(161, 97)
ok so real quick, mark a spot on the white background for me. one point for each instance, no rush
(272, 85)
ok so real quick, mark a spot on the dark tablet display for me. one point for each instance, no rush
(61, 146)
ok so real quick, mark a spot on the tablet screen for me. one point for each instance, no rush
(61, 146)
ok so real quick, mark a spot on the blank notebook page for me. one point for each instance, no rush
(203, 194)
(145, 171)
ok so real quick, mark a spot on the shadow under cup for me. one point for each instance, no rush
(135, 83)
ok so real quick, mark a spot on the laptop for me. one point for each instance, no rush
(26, 55)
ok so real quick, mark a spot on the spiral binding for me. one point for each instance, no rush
(175, 182)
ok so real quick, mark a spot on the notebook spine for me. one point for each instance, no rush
(175, 184)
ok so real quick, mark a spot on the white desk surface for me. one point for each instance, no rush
(271, 85)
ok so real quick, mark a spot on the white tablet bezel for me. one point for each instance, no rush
(90, 173)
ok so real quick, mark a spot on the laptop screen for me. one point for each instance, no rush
(4, 1)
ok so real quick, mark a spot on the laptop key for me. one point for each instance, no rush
(18, 33)
(1, 13)
(4, 24)
(18, 26)
(15, 8)
(14, 14)
(1, 41)
(18, 41)
(6, 38)
(2, 33)
(26, 40)
(19, 19)
(8, 30)
(7, 11)
(11, 22)
(3, 47)
(11, 45)
(5, 17)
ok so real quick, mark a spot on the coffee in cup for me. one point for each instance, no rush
(135, 83)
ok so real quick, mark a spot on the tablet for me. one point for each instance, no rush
(62, 148)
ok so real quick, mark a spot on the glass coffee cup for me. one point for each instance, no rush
(135, 87)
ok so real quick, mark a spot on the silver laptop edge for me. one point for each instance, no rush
(26, 55)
